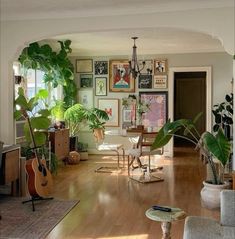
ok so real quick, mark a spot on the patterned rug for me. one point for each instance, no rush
(19, 221)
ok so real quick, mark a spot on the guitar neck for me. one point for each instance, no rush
(33, 140)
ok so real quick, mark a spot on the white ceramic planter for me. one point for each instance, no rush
(210, 194)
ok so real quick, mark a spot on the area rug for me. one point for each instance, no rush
(19, 221)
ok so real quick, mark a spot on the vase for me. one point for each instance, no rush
(210, 194)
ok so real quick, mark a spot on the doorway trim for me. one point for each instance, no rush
(172, 70)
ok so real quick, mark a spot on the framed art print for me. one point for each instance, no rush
(101, 86)
(160, 66)
(111, 107)
(146, 68)
(160, 81)
(127, 115)
(86, 80)
(157, 115)
(120, 78)
(145, 81)
(84, 65)
(85, 97)
(101, 67)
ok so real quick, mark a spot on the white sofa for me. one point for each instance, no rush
(207, 228)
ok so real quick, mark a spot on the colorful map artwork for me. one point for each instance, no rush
(156, 116)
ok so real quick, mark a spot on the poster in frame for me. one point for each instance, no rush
(100, 86)
(84, 65)
(160, 66)
(86, 80)
(127, 113)
(156, 117)
(85, 97)
(160, 81)
(145, 81)
(101, 67)
(111, 107)
(120, 77)
(146, 68)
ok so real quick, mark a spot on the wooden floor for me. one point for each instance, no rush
(113, 206)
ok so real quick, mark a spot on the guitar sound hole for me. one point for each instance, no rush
(44, 172)
(40, 168)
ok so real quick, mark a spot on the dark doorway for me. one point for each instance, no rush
(189, 100)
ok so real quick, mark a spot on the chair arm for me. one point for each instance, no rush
(228, 208)
(201, 228)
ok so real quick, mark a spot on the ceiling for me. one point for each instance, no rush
(151, 41)
(44, 9)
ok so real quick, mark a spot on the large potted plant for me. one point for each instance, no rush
(214, 147)
(77, 116)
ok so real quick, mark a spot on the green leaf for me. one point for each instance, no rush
(17, 114)
(27, 133)
(44, 112)
(22, 102)
(218, 145)
(40, 122)
(42, 94)
(40, 138)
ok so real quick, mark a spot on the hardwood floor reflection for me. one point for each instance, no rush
(112, 206)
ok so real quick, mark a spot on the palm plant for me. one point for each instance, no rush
(213, 145)
(77, 115)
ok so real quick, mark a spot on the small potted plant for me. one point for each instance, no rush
(213, 146)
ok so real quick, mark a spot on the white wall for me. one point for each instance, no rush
(15, 35)
(222, 73)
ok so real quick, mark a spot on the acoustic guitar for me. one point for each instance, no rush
(39, 178)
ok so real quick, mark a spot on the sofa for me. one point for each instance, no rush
(206, 228)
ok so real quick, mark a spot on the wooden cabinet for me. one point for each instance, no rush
(60, 143)
(10, 168)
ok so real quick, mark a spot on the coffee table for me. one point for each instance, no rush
(166, 218)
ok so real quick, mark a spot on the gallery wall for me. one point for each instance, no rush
(222, 71)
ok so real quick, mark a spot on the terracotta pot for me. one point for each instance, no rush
(210, 194)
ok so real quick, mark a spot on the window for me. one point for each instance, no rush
(33, 83)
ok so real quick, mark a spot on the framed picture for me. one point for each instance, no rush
(111, 106)
(147, 68)
(101, 67)
(160, 66)
(157, 115)
(145, 81)
(84, 66)
(85, 97)
(120, 78)
(127, 113)
(160, 81)
(86, 80)
(100, 86)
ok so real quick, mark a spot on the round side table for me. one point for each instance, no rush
(166, 218)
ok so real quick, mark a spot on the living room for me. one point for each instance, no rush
(185, 38)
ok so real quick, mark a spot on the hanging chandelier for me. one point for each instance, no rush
(134, 66)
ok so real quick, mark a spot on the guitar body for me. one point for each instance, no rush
(39, 178)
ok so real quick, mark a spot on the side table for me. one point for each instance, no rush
(166, 218)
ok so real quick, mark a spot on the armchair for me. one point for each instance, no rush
(206, 228)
